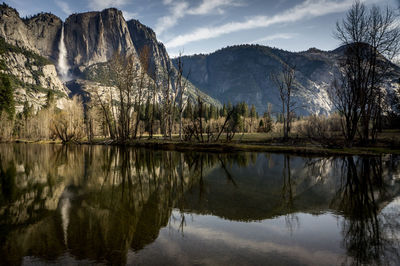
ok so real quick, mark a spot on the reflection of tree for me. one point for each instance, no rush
(119, 199)
(227, 173)
(291, 218)
(367, 234)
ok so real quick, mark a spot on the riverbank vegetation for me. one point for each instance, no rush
(145, 104)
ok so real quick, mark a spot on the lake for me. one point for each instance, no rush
(110, 205)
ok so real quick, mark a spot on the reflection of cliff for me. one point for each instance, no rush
(359, 189)
(95, 202)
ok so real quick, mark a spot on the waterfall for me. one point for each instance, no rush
(63, 67)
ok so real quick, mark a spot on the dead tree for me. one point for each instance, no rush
(284, 81)
(180, 92)
(370, 40)
(144, 58)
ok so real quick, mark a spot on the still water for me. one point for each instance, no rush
(108, 205)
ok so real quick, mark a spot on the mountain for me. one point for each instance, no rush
(25, 56)
(242, 73)
(72, 49)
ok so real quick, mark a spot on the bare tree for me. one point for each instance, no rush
(371, 39)
(345, 99)
(145, 69)
(130, 77)
(180, 92)
(123, 73)
(284, 81)
(168, 103)
(68, 124)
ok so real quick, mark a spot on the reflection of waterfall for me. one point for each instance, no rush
(62, 65)
(65, 205)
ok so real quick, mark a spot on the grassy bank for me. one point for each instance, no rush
(255, 142)
(276, 148)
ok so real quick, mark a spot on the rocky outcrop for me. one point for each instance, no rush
(90, 40)
(45, 29)
(93, 37)
(242, 73)
(14, 30)
(40, 33)
(142, 37)
(32, 79)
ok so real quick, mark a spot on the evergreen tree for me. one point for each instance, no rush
(206, 112)
(50, 100)
(188, 112)
(261, 124)
(224, 111)
(213, 112)
(253, 112)
(27, 111)
(237, 120)
(230, 107)
(245, 109)
(6, 97)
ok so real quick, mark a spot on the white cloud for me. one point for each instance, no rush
(177, 11)
(64, 7)
(129, 15)
(306, 10)
(282, 36)
(180, 9)
(208, 6)
(102, 4)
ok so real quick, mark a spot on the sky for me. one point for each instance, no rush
(203, 26)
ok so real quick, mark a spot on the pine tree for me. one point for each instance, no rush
(230, 107)
(6, 97)
(224, 111)
(245, 110)
(50, 100)
(253, 112)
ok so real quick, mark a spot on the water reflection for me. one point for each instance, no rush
(369, 238)
(101, 204)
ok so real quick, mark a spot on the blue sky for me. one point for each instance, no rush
(203, 26)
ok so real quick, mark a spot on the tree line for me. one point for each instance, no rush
(141, 100)
(137, 115)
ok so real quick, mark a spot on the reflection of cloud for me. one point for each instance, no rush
(201, 232)
(304, 255)
(307, 9)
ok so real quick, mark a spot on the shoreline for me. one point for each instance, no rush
(220, 147)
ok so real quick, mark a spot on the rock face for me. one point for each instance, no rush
(242, 73)
(93, 37)
(90, 40)
(33, 80)
(45, 29)
(14, 30)
(143, 36)
(28, 49)
(39, 33)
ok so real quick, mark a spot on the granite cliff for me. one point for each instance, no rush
(74, 48)
(242, 73)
